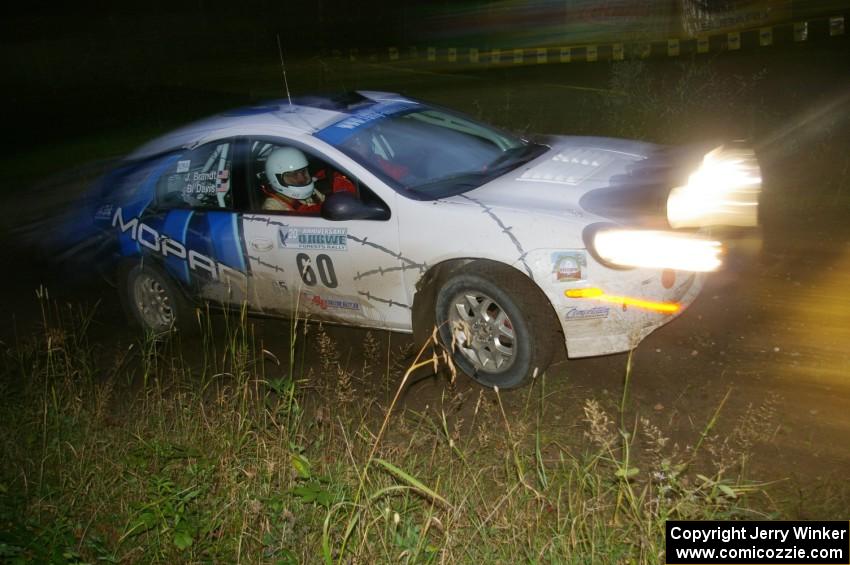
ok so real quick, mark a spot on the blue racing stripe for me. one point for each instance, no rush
(175, 226)
(224, 237)
(197, 238)
(144, 195)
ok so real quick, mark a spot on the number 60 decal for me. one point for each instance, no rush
(324, 266)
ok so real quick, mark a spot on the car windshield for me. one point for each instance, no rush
(427, 153)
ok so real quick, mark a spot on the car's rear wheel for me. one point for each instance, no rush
(153, 300)
(495, 325)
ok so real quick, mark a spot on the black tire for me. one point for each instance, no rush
(510, 352)
(153, 300)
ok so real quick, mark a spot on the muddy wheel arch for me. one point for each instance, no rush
(424, 301)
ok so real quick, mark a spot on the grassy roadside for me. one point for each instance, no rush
(247, 453)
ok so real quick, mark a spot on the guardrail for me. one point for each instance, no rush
(797, 32)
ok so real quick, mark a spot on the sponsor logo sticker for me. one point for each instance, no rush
(588, 314)
(292, 237)
(330, 302)
(183, 166)
(568, 266)
(146, 236)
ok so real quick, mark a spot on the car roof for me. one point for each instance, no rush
(303, 115)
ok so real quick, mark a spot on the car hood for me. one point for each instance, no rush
(592, 177)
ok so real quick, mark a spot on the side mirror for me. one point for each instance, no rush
(340, 206)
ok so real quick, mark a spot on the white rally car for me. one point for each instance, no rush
(420, 216)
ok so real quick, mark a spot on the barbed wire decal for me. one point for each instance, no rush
(506, 230)
(273, 266)
(410, 262)
(382, 270)
(265, 220)
(387, 301)
(407, 263)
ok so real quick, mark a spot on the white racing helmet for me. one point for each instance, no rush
(286, 170)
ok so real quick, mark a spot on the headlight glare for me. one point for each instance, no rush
(724, 190)
(657, 249)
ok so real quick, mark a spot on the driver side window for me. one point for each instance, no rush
(286, 179)
(200, 178)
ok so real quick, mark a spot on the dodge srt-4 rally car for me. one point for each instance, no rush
(404, 216)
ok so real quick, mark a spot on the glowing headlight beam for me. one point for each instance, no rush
(724, 190)
(658, 250)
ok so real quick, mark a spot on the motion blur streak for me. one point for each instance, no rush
(808, 126)
(658, 250)
(723, 191)
(663, 307)
(598, 294)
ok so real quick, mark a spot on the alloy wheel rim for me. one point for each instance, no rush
(482, 332)
(153, 302)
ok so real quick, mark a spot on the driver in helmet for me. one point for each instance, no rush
(290, 185)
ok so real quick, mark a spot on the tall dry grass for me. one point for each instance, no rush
(287, 453)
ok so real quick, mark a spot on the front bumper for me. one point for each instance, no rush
(632, 303)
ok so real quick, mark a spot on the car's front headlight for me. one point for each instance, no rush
(657, 249)
(724, 190)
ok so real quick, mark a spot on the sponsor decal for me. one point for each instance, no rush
(293, 237)
(569, 266)
(340, 131)
(588, 314)
(183, 166)
(206, 183)
(355, 122)
(330, 302)
(150, 238)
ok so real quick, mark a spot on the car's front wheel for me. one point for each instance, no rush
(495, 327)
(152, 299)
